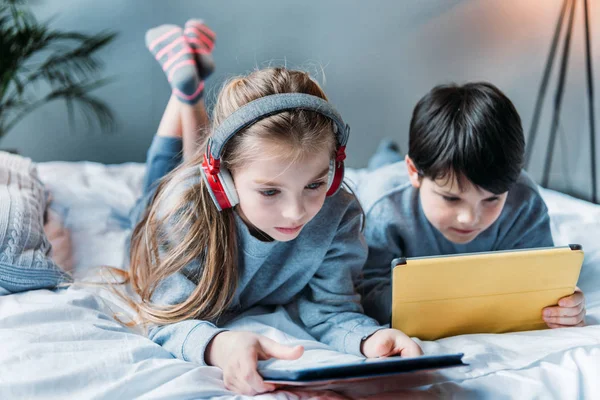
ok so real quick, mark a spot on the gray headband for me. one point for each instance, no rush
(266, 106)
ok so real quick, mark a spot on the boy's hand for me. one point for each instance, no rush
(569, 312)
(390, 342)
(237, 354)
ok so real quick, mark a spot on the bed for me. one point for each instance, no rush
(66, 344)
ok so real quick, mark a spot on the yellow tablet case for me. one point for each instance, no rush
(494, 292)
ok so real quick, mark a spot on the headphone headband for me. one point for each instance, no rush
(218, 180)
(266, 106)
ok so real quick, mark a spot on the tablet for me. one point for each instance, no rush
(493, 292)
(364, 369)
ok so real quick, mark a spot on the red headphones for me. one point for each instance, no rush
(218, 180)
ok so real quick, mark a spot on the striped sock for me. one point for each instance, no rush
(202, 41)
(176, 57)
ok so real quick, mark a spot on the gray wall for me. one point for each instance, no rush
(378, 58)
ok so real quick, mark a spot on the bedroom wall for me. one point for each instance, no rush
(377, 59)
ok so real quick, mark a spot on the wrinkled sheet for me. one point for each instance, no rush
(66, 344)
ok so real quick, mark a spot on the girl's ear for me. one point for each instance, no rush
(413, 172)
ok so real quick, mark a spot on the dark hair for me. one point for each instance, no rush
(471, 131)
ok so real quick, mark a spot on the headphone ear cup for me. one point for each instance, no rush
(220, 187)
(331, 174)
(210, 187)
(229, 187)
(336, 176)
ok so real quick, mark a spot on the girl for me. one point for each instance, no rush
(276, 231)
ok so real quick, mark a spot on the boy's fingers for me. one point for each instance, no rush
(555, 326)
(567, 321)
(557, 312)
(572, 300)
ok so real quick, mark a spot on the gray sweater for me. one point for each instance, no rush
(397, 227)
(311, 275)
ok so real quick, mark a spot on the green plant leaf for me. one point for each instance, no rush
(40, 65)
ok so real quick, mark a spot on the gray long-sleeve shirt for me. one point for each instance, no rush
(397, 227)
(312, 275)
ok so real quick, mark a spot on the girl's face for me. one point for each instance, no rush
(278, 197)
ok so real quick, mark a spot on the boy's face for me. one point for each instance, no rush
(459, 215)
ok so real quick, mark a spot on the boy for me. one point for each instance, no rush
(463, 191)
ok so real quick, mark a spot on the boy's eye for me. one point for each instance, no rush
(451, 199)
(314, 185)
(269, 192)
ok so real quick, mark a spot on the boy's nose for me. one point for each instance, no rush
(467, 216)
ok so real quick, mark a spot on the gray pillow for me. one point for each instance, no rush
(25, 263)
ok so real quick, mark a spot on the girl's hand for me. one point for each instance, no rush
(390, 342)
(237, 354)
(569, 312)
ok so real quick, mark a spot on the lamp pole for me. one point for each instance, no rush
(560, 90)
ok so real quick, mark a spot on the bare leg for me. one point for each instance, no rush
(170, 123)
(195, 123)
(181, 128)
(185, 121)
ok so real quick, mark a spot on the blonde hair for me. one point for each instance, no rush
(182, 227)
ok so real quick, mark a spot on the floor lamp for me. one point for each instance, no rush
(571, 4)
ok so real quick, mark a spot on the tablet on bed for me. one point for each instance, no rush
(360, 370)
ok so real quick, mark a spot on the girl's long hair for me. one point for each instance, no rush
(182, 230)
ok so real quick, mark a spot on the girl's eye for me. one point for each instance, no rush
(269, 192)
(492, 199)
(451, 199)
(314, 185)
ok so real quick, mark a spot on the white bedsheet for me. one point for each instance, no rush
(65, 344)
